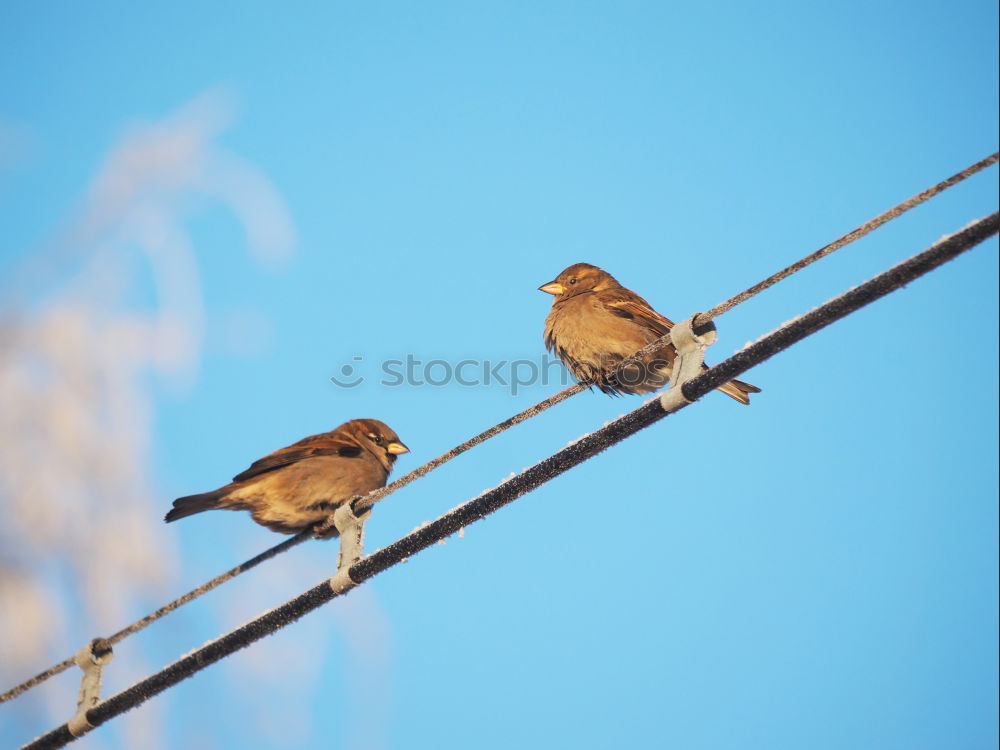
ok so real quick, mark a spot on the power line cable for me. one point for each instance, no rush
(488, 502)
(866, 228)
(368, 501)
(135, 627)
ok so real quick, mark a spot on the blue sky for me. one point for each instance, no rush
(817, 570)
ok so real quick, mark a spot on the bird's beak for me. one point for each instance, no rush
(395, 448)
(553, 287)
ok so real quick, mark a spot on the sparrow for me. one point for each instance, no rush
(295, 487)
(595, 323)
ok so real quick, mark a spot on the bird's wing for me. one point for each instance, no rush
(326, 444)
(626, 304)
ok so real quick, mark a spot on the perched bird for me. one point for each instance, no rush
(295, 487)
(595, 323)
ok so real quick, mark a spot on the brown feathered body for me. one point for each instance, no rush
(296, 487)
(595, 323)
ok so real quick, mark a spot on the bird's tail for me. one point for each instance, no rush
(739, 390)
(188, 506)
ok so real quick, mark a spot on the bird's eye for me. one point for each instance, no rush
(377, 439)
(572, 281)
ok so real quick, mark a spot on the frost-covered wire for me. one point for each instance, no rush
(508, 491)
(866, 228)
(135, 627)
(362, 504)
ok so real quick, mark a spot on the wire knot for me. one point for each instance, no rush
(352, 532)
(91, 659)
(690, 341)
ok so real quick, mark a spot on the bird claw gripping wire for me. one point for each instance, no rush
(690, 341)
(352, 531)
(91, 659)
